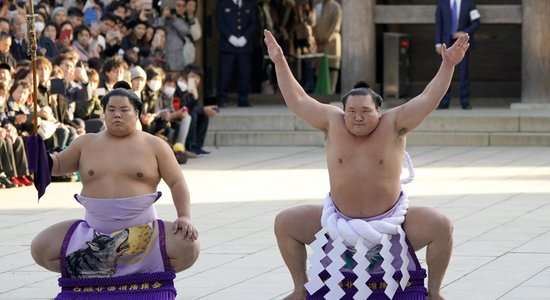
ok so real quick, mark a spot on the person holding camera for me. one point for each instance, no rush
(177, 30)
(58, 130)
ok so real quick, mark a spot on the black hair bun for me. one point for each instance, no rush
(361, 84)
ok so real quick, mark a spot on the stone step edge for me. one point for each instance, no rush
(312, 138)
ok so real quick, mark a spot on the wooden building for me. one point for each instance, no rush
(511, 60)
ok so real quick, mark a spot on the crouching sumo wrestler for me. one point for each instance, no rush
(361, 228)
(120, 250)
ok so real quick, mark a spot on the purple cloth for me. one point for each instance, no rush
(376, 261)
(37, 157)
(108, 215)
(378, 217)
(415, 289)
(150, 286)
(118, 237)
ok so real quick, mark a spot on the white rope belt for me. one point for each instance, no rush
(361, 235)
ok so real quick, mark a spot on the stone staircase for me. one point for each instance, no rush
(275, 125)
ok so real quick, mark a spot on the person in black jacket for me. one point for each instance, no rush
(187, 95)
(236, 21)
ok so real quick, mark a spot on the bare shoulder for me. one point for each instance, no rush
(334, 113)
(390, 115)
(388, 122)
(157, 143)
(85, 140)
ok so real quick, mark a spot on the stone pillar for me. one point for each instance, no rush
(536, 52)
(358, 43)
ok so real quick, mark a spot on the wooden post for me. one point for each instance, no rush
(358, 43)
(536, 52)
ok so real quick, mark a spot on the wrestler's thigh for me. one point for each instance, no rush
(300, 222)
(182, 253)
(424, 225)
(46, 245)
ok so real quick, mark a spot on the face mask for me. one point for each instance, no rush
(39, 26)
(154, 85)
(169, 91)
(182, 85)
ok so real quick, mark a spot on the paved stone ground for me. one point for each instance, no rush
(498, 198)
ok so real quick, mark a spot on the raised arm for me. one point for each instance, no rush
(411, 114)
(305, 107)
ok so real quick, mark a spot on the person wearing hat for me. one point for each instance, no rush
(138, 77)
(59, 15)
(236, 21)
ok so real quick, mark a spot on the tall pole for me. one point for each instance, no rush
(31, 51)
(535, 52)
(359, 43)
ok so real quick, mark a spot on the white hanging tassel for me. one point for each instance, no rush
(407, 162)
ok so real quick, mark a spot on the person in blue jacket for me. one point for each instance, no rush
(454, 18)
(236, 21)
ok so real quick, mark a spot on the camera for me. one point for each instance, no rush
(173, 11)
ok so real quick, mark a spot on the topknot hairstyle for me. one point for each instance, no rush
(362, 88)
(122, 91)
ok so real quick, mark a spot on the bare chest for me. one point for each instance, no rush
(115, 163)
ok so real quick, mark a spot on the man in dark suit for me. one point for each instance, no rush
(454, 18)
(236, 21)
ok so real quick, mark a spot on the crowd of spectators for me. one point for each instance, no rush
(85, 48)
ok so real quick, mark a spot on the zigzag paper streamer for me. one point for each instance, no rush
(315, 259)
(333, 283)
(360, 256)
(392, 285)
(405, 259)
